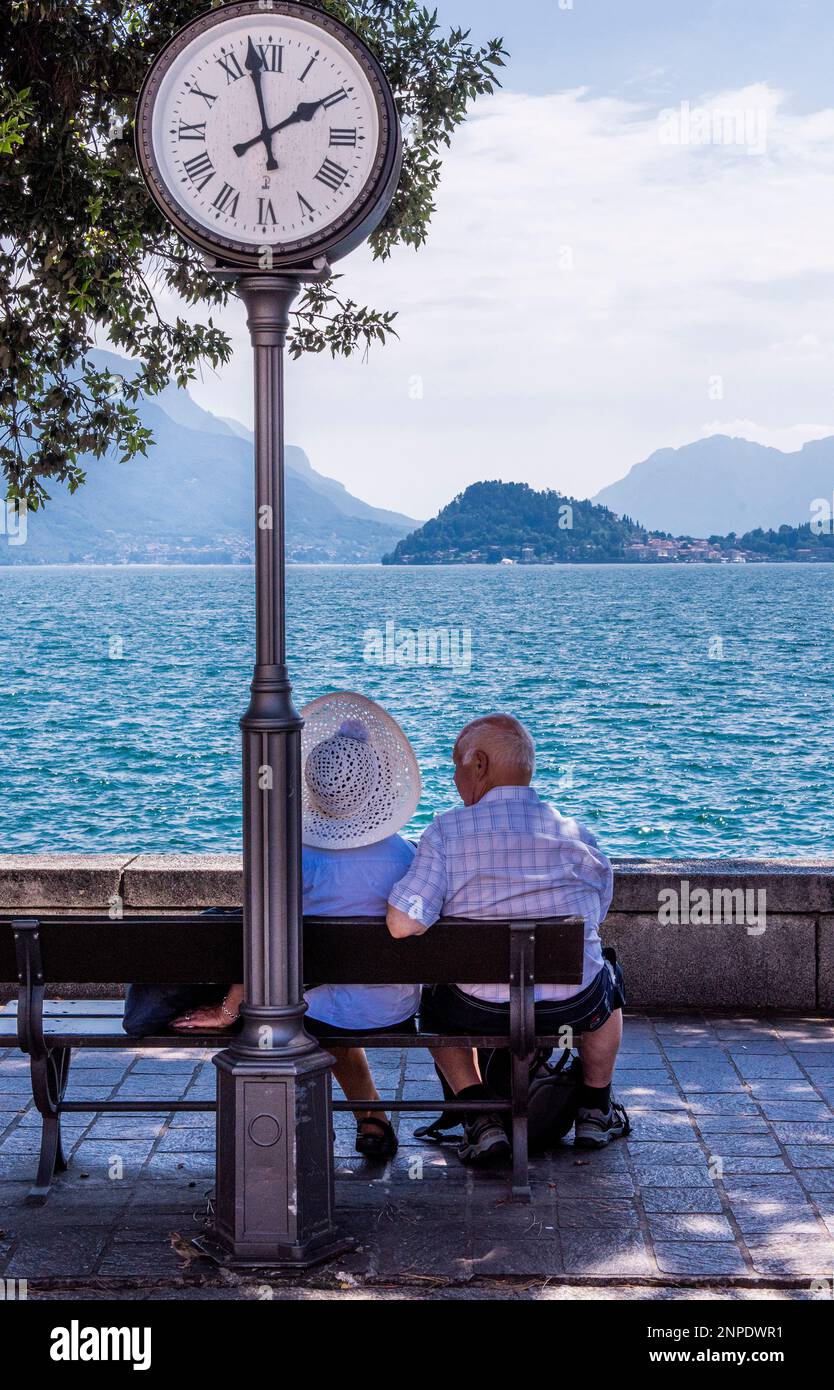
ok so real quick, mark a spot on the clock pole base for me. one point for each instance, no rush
(297, 1260)
(275, 1192)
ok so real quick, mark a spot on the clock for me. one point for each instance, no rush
(269, 127)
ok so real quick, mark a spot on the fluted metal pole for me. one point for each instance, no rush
(274, 1203)
(271, 725)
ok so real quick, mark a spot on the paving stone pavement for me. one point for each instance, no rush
(726, 1184)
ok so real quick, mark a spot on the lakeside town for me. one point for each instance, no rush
(652, 551)
(232, 550)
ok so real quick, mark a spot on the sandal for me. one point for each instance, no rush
(376, 1146)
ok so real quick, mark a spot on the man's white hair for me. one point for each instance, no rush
(504, 739)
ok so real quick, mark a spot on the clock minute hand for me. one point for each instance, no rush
(305, 112)
(255, 68)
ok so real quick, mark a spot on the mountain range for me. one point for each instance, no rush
(721, 485)
(192, 500)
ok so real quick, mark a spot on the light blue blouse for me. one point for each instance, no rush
(356, 883)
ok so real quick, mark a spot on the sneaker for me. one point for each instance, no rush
(594, 1129)
(485, 1144)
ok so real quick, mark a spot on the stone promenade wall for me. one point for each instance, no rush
(692, 934)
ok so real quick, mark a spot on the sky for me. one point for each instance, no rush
(633, 248)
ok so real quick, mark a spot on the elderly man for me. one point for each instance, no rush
(507, 854)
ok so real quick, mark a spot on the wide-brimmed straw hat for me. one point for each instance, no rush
(361, 781)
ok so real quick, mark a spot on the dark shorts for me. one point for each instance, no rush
(151, 1009)
(323, 1031)
(448, 1010)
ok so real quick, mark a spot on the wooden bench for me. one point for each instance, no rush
(39, 951)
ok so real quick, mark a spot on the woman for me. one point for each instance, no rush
(361, 785)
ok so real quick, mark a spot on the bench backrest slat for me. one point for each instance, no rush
(90, 950)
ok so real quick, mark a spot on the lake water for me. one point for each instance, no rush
(678, 711)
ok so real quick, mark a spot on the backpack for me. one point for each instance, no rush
(552, 1104)
(553, 1098)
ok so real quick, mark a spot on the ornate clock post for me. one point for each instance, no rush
(274, 1200)
(268, 136)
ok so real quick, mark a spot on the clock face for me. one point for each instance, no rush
(268, 127)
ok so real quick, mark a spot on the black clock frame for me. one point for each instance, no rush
(346, 232)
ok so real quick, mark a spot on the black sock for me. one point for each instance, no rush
(595, 1098)
(480, 1092)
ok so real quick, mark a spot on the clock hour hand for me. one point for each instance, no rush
(305, 112)
(255, 68)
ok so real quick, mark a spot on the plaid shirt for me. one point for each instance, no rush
(511, 856)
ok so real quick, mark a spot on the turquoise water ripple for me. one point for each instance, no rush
(662, 750)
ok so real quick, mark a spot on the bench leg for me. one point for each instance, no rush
(49, 1082)
(521, 1162)
(51, 1161)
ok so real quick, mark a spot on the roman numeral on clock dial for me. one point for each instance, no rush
(194, 132)
(307, 209)
(343, 137)
(200, 170)
(272, 56)
(230, 65)
(335, 98)
(309, 67)
(266, 212)
(227, 200)
(208, 97)
(332, 174)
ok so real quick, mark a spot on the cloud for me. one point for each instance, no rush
(586, 284)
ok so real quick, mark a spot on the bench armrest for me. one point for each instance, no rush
(522, 989)
(30, 987)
